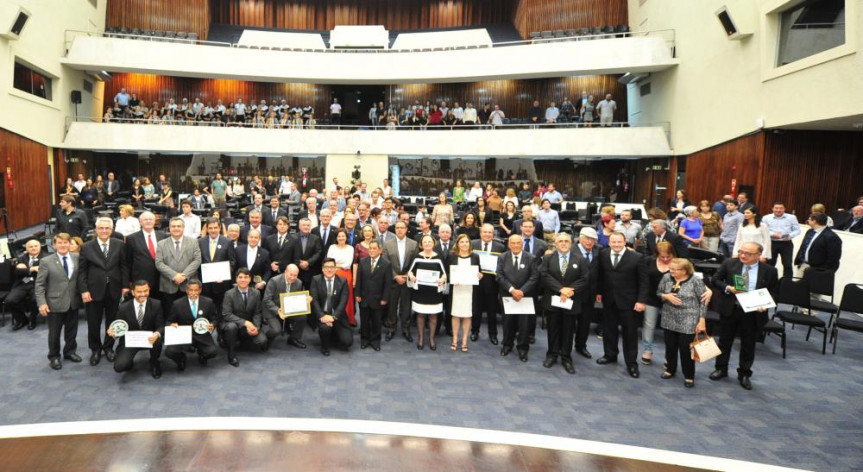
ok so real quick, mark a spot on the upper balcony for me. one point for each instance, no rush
(637, 52)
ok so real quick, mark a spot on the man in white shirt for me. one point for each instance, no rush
(336, 112)
(497, 116)
(469, 114)
(551, 113)
(80, 183)
(458, 113)
(606, 109)
(192, 221)
(240, 111)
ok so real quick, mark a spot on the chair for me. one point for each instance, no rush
(795, 292)
(5, 287)
(558, 33)
(608, 29)
(852, 302)
(821, 282)
(596, 31)
(570, 32)
(772, 327)
(546, 34)
(535, 35)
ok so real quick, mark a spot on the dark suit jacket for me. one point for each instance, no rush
(224, 252)
(267, 216)
(260, 267)
(280, 254)
(100, 275)
(489, 217)
(331, 236)
(523, 278)
(154, 318)
(767, 278)
(318, 291)
(181, 313)
(235, 311)
(265, 232)
(477, 244)
(444, 255)
(593, 287)
(537, 248)
(141, 265)
(516, 227)
(626, 284)
(313, 254)
(373, 287)
(577, 277)
(825, 250)
(857, 228)
(249, 208)
(272, 295)
(677, 242)
(357, 236)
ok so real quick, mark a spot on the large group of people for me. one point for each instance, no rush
(128, 108)
(366, 262)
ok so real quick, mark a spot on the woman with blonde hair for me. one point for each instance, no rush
(127, 223)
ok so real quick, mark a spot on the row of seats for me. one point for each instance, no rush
(154, 35)
(275, 48)
(619, 30)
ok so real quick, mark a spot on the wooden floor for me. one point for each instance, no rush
(295, 451)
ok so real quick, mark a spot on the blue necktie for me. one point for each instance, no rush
(804, 248)
(195, 310)
(527, 245)
(66, 266)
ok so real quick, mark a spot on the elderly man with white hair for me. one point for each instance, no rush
(855, 224)
(141, 252)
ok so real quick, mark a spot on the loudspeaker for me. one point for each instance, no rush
(728, 24)
(76, 96)
(12, 20)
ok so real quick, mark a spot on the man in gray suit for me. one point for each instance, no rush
(400, 251)
(286, 283)
(178, 259)
(57, 297)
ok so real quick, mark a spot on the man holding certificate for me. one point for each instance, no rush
(216, 248)
(737, 275)
(489, 251)
(517, 275)
(565, 275)
(273, 313)
(186, 312)
(146, 327)
(372, 292)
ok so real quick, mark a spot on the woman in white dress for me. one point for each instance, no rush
(752, 230)
(464, 299)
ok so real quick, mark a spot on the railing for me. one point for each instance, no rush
(668, 35)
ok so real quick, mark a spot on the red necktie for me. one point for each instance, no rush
(151, 246)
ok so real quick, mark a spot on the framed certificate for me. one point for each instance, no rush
(295, 304)
(488, 262)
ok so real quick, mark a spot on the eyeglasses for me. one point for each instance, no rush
(746, 253)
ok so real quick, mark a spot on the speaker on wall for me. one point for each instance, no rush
(13, 18)
(76, 96)
(731, 29)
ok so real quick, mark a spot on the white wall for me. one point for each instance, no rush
(560, 59)
(565, 142)
(41, 44)
(721, 86)
(374, 168)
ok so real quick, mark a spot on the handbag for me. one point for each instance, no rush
(704, 349)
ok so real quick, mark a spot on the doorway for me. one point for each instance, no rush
(357, 100)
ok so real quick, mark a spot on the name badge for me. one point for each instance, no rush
(575, 266)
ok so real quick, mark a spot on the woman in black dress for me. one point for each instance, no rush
(468, 226)
(427, 299)
(507, 218)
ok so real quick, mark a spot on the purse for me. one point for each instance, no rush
(704, 349)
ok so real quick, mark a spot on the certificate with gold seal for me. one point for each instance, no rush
(295, 304)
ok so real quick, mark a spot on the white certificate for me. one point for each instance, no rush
(427, 277)
(178, 335)
(488, 261)
(521, 307)
(295, 304)
(139, 339)
(752, 301)
(464, 274)
(215, 272)
(556, 302)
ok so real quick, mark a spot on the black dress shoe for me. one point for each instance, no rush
(522, 356)
(745, 382)
(584, 352)
(606, 360)
(234, 361)
(73, 357)
(408, 337)
(549, 361)
(505, 351)
(532, 339)
(110, 354)
(633, 371)
(389, 336)
(296, 343)
(474, 337)
(325, 351)
(202, 360)
(376, 348)
(32, 325)
(493, 340)
(718, 374)
(156, 371)
(420, 347)
(567, 366)
(95, 356)
(16, 326)
(433, 346)
(56, 364)
(364, 345)
(181, 364)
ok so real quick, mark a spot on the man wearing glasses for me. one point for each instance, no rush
(329, 299)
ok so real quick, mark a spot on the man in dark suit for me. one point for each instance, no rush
(325, 231)
(56, 291)
(660, 233)
(527, 214)
(623, 285)
(257, 204)
(372, 292)
(565, 274)
(141, 252)
(382, 230)
(488, 288)
(755, 276)
(443, 249)
(255, 258)
(184, 312)
(141, 314)
(537, 248)
(255, 222)
(295, 324)
(855, 223)
(311, 211)
(216, 248)
(103, 278)
(271, 215)
(425, 229)
(400, 252)
(588, 249)
(21, 296)
(112, 186)
(241, 316)
(350, 223)
(307, 252)
(279, 246)
(821, 247)
(743, 203)
(517, 277)
(329, 299)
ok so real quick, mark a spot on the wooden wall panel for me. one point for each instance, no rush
(393, 14)
(709, 172)
(587, 180)
(514, 96)
(28, 201)
(169, 15)
(539, 15)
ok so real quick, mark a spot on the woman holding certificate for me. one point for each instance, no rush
(682, 316)
(427, 276)
(343, 253)
(464, 298)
